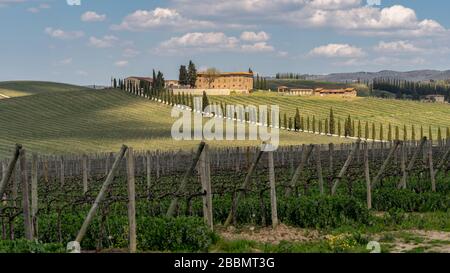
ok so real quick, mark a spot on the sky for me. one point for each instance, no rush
(88, 41)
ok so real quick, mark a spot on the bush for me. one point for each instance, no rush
(324, 211)
(409, 201)
(174, 234)
(24, 246)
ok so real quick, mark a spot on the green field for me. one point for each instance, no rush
(378, 111)
(51, 118)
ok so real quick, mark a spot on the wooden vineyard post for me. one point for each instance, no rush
(319, 166)
(345, 167)
(367, 175)
(61, 163)
(131, 201)
(174, 203)
(85, 174)
(149, 172)
(205, 177)
(306, 153)
(273, 192)
(244, 186)
(431, 165)
(403, 166)
(34, 194)
(331, 153)
(25, 197)
(9, 170)
(101, 195)
(385, 164)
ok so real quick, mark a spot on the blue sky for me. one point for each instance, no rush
(86, 44)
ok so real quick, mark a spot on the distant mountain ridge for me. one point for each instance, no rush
(416, 75)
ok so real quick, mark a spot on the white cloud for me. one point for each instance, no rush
(38, 8)
(160, 17)
(130, 52)
(397, 47)
(63, 35)
(200, 40)
(337, 50)
(66, 61)
(92, 16)
(121, 63)
(104, 42)
(212, 42)
(258, 47)
(250, 36)
(334, 4)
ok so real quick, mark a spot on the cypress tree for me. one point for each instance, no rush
(339, 128)
(320, 126)
(405, 133)
(302, 123)
(290, 123)
(332, 122)
(367, 131)
(381, 132)
(297, 120)
(327, 127)
(192, 74)
(448, 133)
(359, 129)
(430, 134)
(439, 134)
(205, 100)
(422, 135)
(314, 124)
(308, 124)
(390, 133)
(285, 124)
(397, 133)
(353, 128)
(374, 132)
(413, 133)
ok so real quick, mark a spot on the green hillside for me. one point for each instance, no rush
(26, 88)
(81, 120)
(379, 111)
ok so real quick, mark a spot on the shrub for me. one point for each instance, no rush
(24, 246)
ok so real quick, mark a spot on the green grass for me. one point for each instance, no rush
(25, 88)
(378, 111)
(54, 119)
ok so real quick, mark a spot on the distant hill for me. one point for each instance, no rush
(417, 75)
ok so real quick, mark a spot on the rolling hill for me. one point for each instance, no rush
(378, 111)
(51, 118)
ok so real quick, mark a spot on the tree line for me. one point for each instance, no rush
(411, 90)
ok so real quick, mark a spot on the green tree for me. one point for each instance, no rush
(381, 132)
(413, 133)
(374, 132)
(332, 123)
(290, 123)
(285, 121)
(192, 74)
(439, 134)
(339, 128)
(205, 100)
(183, 77)
(390, 132)
(422, 134)
(314, 124)
(397, 133)
(430, 133)
(405, 133)
(367, 131)
(297, 119)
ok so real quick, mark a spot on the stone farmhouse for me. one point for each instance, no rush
(321, 92)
